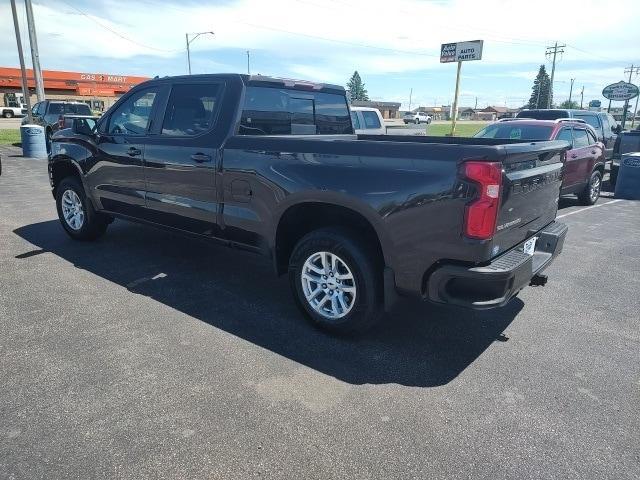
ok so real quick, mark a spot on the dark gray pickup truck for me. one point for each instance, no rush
(272, 166)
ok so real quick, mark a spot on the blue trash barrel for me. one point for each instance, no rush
(34, 143)
(628, 183)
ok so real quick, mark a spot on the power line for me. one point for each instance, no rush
(344, 42)
(90, 17)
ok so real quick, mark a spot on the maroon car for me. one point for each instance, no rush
(584, 163)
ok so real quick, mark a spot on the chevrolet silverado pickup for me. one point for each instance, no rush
(272, 165)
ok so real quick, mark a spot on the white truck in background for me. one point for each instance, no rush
(13, 105)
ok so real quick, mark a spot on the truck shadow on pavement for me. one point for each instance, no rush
(416, 345)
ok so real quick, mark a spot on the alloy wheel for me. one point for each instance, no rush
(328, 284)
(72, 210)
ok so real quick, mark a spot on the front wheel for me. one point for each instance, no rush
(591, 192)
(337, 281)
(76, 214)
(417, 121)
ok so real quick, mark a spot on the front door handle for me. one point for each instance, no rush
(593, 152)
(573, 155)
(200, 157)
(134, 152)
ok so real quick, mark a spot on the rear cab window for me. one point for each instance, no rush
(371, 119)
(355, 120)
(284, 111)
(191, 109)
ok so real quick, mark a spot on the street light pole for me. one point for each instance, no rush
(195, 35)
(25, 86)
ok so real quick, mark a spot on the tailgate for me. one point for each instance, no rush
(530, 191)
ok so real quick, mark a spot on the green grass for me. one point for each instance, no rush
(9, 137)
(463, 129)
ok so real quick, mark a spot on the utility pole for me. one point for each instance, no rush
(189, 42)
(25, 86)
(571, 92)
(248, 64)
(475, 107)
(35, 56)
(581, 96)
(630, 70)
(410, 95)
(549, 52)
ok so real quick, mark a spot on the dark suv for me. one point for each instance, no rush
(50, 113)
(606, 127)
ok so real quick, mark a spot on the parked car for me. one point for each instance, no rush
(605, 126)
(584, 162)
(50, 115)
(367, 121)
(10, 112)
(627, 142)
(272, 166)
(417, 117)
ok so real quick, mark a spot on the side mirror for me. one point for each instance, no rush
(84, 126)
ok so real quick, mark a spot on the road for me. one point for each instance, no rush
(151, 355)
(10, 123)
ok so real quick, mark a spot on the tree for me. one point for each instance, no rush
(356, 88)
(541, 89)
(569, 104)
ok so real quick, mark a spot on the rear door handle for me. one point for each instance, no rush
(573, 155)
(134, 152)
(200, 157)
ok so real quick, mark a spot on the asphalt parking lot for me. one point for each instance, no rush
(151, 355)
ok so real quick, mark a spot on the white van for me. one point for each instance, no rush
(367, 121)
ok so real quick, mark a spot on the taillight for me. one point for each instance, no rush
(60, 121)
(481, 214)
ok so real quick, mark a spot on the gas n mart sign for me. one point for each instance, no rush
(461, 51)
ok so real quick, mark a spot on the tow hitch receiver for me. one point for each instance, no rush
(538, 280)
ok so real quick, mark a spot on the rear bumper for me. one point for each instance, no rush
(493, 285)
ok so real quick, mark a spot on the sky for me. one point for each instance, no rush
(393, 44)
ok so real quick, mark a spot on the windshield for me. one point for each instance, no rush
(515, 132)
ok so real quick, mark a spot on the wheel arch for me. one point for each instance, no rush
(300, 217)
(62, 167)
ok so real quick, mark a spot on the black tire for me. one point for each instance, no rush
(47, 138)
(406, 122)
(93, 225)
(591, 191)
(613, 177)
(8, 114)
(417, 121)
(366, 269)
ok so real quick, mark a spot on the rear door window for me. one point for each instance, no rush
(274, 111)
(580, 138)
(371, 119)
(191, 109)
(56, 108)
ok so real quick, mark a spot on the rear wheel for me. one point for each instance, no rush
(336, 281)
(76, 214)
(417, 121)
(8, 114)
(591, 191)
